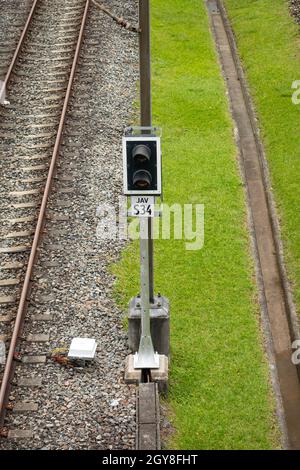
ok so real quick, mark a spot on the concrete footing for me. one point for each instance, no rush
(159, 376)
(159, 323)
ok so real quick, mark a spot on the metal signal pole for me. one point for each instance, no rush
(149, 325)
(146, 109)
(146, 358)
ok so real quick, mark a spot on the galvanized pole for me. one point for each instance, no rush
(146, 108)
(146, 357)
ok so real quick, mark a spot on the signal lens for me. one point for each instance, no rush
(142, 179)
(141, 153)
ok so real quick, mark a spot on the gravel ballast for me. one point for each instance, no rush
(295, 9)
(13, 14)
(86, 407)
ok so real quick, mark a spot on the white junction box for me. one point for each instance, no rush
(2, 353)
(3, 99)
(82, 348)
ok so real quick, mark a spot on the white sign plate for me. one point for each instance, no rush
(142, 206)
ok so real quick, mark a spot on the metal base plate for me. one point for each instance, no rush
(146, 358)
(142, 363)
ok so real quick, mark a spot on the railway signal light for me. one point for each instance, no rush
(142, 165)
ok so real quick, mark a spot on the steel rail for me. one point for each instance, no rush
(5, 385)
(18, 48)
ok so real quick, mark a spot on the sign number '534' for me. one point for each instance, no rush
(142, 206)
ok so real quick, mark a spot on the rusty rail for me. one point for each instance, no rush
(9, 366)
(20, 43)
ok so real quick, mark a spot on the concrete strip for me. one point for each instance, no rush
(39, 317)
(148, 419)
(25, 205)
(34, 179)
(36, 157)
(24, 406)
(147, 437)
(22, 219)
(34, 359)
(63, 203)
(15, 249)
(50, 264)
(22, 234)
(52, 247)
(36, 167)
(9, 282)
(147, 404)
(274, 305)
(38, 338)
(24, 193)
(7, 299)
(44, 298)
(11, 266)
(30, 382)
(20, 434)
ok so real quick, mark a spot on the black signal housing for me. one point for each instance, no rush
(142, 165)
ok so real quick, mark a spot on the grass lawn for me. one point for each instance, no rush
(267, 28)
(220, 395)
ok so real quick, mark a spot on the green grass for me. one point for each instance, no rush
(220, 396)
(268, 41)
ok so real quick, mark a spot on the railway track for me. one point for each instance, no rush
(278, 313)
(49, 257)
(12, 20)
(36, 200)
(31, 161)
